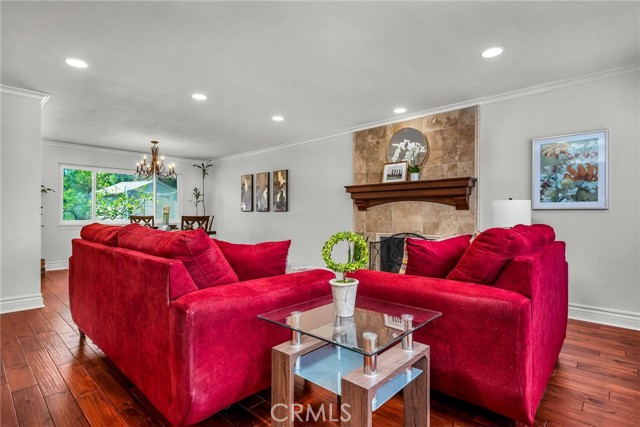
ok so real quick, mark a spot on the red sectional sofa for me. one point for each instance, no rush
(191, 350)
(496, 343)
(172, 314)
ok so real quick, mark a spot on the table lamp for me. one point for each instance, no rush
(507, 213)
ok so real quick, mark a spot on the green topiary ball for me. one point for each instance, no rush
(357, 259)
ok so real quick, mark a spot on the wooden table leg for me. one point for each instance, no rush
(356, 401)
(283, 359)
(359, 390)
(281, 389)
(417, 401)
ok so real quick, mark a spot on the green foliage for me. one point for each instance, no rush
(356, 257)
(204, 168)
(414, 169)
(197, 195)
(123, 205)
(44, 190)
(76, 195)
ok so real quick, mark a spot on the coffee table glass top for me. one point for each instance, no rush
(317, 318)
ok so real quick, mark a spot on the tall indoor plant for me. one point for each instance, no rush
(204, 168)
(43, 190)
(344, 289)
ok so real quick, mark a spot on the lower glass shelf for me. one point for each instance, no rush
(326, 366)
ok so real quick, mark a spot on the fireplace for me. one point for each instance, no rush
(387, 252)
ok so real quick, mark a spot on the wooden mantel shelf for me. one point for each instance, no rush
(452, 191)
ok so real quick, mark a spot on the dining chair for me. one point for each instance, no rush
(193, 222)
(145, 220)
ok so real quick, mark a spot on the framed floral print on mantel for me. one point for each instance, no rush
(571, 171)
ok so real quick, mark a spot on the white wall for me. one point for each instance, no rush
(56, 238)
(318, 203)
(20, 210)
(603, 247)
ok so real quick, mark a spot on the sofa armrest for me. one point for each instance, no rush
(221, 349)
(480, 346)
(542, 277)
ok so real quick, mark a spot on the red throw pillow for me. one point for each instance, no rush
(487, 255)
(536, 235)
(435, 258)
(100, 233)
(256, 261)
(199, 254)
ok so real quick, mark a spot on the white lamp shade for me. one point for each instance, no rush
(507, 213)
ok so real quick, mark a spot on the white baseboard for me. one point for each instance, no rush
(57, 265)
(605, 316)
(24, 302)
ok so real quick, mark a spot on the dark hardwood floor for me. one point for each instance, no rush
(50, 377)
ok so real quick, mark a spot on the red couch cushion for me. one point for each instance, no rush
(435, 258)
(488, 254)
(199, 254)
(256, 261)
(100, 233)
(536, 236)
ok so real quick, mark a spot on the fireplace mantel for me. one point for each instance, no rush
(452, 191)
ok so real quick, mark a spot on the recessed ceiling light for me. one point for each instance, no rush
(400, 110)
(77, 63)
(277, 118)
(491, 52)
(199, 96)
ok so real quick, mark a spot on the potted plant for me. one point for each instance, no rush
(204, 168)
(344, 289)
(412, 153)
(43, 190)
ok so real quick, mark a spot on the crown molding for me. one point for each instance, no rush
(519, 93)
(43, 97)
(280, 146)
(106, 149)
(532, 90)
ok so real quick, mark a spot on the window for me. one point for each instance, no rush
(101, 195)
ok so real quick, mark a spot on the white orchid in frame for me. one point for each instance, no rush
(411, 151)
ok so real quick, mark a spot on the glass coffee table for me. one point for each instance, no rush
(365, 359)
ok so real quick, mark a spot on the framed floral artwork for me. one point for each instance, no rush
(571, 171)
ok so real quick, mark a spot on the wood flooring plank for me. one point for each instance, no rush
(65, 411)
(8, 335)
(98, 411)
(46, 373)
(13, 356)
(77, 379)
(58, 323)
(18, 317)
(57, 349)
(595, 382)
(30, 343)
(8, 416)
(20, 377)
(31, 409)
(3, 374)
(70, 338)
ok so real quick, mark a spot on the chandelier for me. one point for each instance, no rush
(155, 167)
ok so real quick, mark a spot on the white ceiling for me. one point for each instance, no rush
(324, 66)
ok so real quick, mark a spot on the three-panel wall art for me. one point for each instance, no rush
(270, 190)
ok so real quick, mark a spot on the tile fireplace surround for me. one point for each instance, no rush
(452, 142)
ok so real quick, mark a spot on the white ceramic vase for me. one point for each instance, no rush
(415, 176)
(344, 297)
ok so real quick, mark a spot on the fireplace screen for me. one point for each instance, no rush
(386, 254)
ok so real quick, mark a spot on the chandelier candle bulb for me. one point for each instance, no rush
(155, 168)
